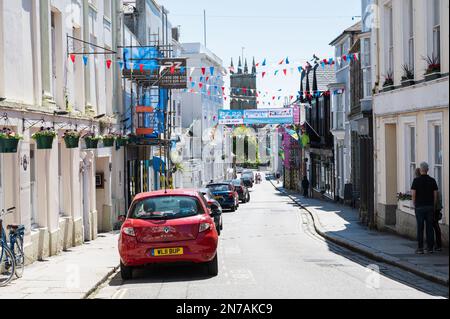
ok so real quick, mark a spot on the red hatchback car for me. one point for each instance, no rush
(166, 227)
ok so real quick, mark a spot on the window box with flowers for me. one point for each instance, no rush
(408, 76)
(108, 140)
(405, 203)
(44, 138)
(433, 71)
(121, 140)
(91, 140)
(388, 82)
(72, 138)
(9, 141)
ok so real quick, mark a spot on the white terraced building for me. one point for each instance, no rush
(63, 196)
(411, 122)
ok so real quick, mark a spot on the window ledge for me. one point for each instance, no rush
(93, 7)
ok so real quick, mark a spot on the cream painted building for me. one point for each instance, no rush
(58, 194)
(411, 122)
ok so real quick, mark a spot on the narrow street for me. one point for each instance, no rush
(268, 249)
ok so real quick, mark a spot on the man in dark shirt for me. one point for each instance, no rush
(305, 186)
(424, 196)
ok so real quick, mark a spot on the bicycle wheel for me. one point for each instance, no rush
(7, 266)
(19, 257)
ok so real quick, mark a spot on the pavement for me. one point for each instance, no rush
(340, 224)
(73, 274)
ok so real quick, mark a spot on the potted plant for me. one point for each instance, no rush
(121, 140)
(9, 141)
(91, 140)
(108, 140)
(72, 138)
(434, 68)
(408, 75)
(388, 82)
(404, 197)
(44, 138)
(178, 167)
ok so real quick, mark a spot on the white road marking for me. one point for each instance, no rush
(120, 294)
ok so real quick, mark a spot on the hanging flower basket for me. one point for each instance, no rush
(91, 141)
(9, 141)
(121, 141)
(72, 139)
(108, 140)
(44, 138)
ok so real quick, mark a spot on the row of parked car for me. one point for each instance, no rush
(180, 225)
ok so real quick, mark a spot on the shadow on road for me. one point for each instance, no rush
(391, 272)
(164, 273)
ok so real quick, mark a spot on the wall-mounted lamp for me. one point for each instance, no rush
(99, 116)
(2, 99)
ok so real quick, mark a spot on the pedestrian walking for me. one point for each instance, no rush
(305, 186)
(425, 196)
(278, 178)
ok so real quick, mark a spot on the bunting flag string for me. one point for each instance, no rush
(334, 61)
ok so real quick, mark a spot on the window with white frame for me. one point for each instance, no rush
(411, 163)
(409, 34)
(436, 160)
(366, 67)
(389, 39)
(107, 8)
(436, 16)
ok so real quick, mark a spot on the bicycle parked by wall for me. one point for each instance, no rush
(12, 257)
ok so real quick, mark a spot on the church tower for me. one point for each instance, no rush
(243, 87)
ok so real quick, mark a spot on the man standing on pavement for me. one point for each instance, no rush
(425, 196)
(305, 186)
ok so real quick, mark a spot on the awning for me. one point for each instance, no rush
(159, 164)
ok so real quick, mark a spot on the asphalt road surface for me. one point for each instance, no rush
(269, 250)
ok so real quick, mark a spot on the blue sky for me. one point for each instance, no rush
(274, 30)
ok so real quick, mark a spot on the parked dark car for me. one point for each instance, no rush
(242, 190)
(248, 174)
(248, 182)
(213, 203)
(226, 195)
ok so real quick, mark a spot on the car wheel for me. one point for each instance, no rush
(126, 272)
(213, 267)
(248, 198)
(233, 209)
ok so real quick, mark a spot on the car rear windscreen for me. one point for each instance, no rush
(166, 207)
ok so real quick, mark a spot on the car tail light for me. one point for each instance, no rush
(129, 231)
(204, 227)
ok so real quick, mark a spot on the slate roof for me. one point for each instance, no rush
(356, 28)
(324, 78)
